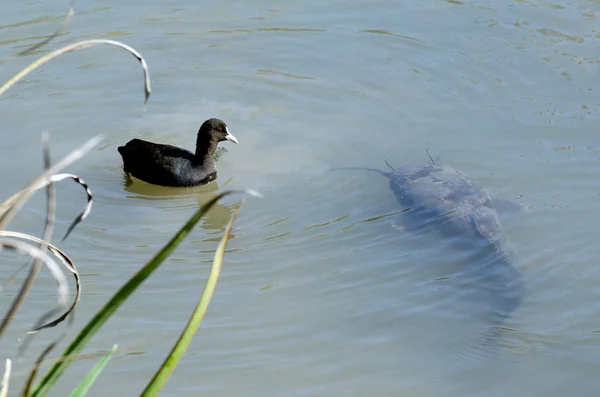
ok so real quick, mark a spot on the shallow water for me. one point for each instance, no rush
(321, 293)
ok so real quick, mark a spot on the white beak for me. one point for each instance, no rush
(230, 137)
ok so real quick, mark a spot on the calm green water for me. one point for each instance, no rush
(321, 294)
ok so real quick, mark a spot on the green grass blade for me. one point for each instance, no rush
(163, 373)
(90, 329)
(91, 377)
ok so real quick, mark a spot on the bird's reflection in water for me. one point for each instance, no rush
(215, 219)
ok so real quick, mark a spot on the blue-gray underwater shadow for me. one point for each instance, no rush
(436, 198)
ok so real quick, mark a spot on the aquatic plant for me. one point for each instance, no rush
(44, 253)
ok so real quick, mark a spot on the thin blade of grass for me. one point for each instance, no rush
(10, 206)
(75, 47)
(47, 236)
(86, 210)
(88, 207)
(40, 361)
(67, 262)
(57, 33)
(50, 197)
(34, 370)
(90, 329)
(35, 253)
(90, 200)
(55, 271)
(91, 377)
(6, 378)
(167, 367)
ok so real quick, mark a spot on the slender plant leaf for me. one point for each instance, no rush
(57, 178)
(91, 377)
(90, 329)
(47, 236)
(10, 206)
(41, 360)
(88, 207)
(6, 378)
(35, 368)
(35, 252)
(50, 195)
(50, 220)
(165, 370)
(66, 261)
(75, 47)
(58, 32)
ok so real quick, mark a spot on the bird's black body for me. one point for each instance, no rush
(168, 165)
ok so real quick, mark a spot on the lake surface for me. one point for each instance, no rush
(321, 294)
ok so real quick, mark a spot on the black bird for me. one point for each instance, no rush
(168, 165)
